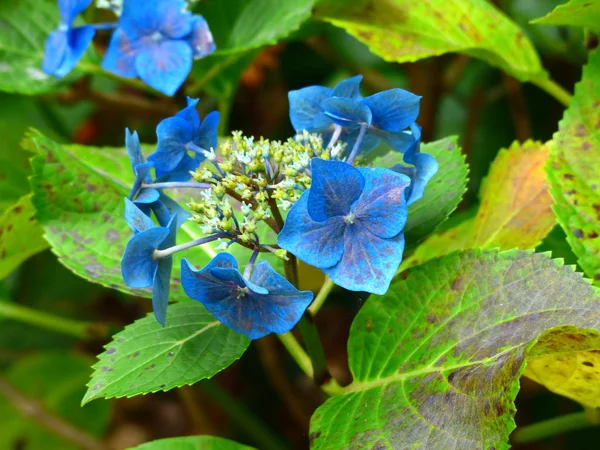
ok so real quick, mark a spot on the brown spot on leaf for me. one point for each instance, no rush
(588, 363)
(369, 326)
(458, 283)
(18, 209)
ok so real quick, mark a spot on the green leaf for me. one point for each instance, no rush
(242, 25)
(443, 193)
(409, 30)
(574, 170)
(21, 236)
(59, 391)
(24, 26)
(193, 443)
(78, 194)
(579, 13)
(145, 357)
(436, 362)
(516, 207)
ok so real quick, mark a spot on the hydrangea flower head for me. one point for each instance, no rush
(350, 223)
(180, 135)
(265, 303)
(156, 41)
(66, 45)
(140, 266)
(385, 115)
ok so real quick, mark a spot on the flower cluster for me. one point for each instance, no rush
(347, 221)
(155, 40)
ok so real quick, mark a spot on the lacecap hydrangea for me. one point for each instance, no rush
(154, 40)
(310, 198)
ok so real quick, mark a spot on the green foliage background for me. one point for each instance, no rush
(438, 361)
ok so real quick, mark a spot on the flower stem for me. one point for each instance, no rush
(359, 139)
(177, 248)
(335, 136)
(297, 352)
(177, 184)
(552, 427)
(74, 328)
(554, 89)
(321, 296)
(246, 420)
(250, 266)
(311, 338)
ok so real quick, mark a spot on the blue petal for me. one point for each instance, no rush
(142, 175)
(349, 88)
(70, 9)
(189, 113)
(136, 219)
(55, 51)
(426, 166)
(121, 54)
(399, 141)
(147, 195)
(382, 208)
(143, 18)
(164, 65)
(174, 209)
(346, 111)
(162, 277)
(319, 244)
(369, 262)
(138, 266)
(206, 137)
(394, 109)
(134, 149)
(79, 40)
(201, 39)
(282, 308)
(182, 171)
(233, 276)
(305, 105)
(335, 186)
(173, 135)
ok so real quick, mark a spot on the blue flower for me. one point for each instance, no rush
(149, 199)
(66, 46)
(386, 115)
(425, 167)
(179, 135)
(350, 223)
(140, 266)
(267, 303)
(157, 41)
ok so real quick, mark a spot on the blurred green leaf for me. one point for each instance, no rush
(21, 236)
(579, 13)
(242, 25)
(436, 361)
(409, 30)
(24, 26)
(193, 443)
(574, 170)
(57, 381)
(443, 193)
(516, 207)
(78, 194)
(145, 357)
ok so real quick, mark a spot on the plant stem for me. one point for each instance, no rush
(246, 420)
(356, 148)
(554, 89)
(32, 409)
(312, 341)
(552, 427)
(297, 352)
(177, 248)
(321, 296)
(74, 328)
(177, 184)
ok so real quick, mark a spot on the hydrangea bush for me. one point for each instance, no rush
(240, 240)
